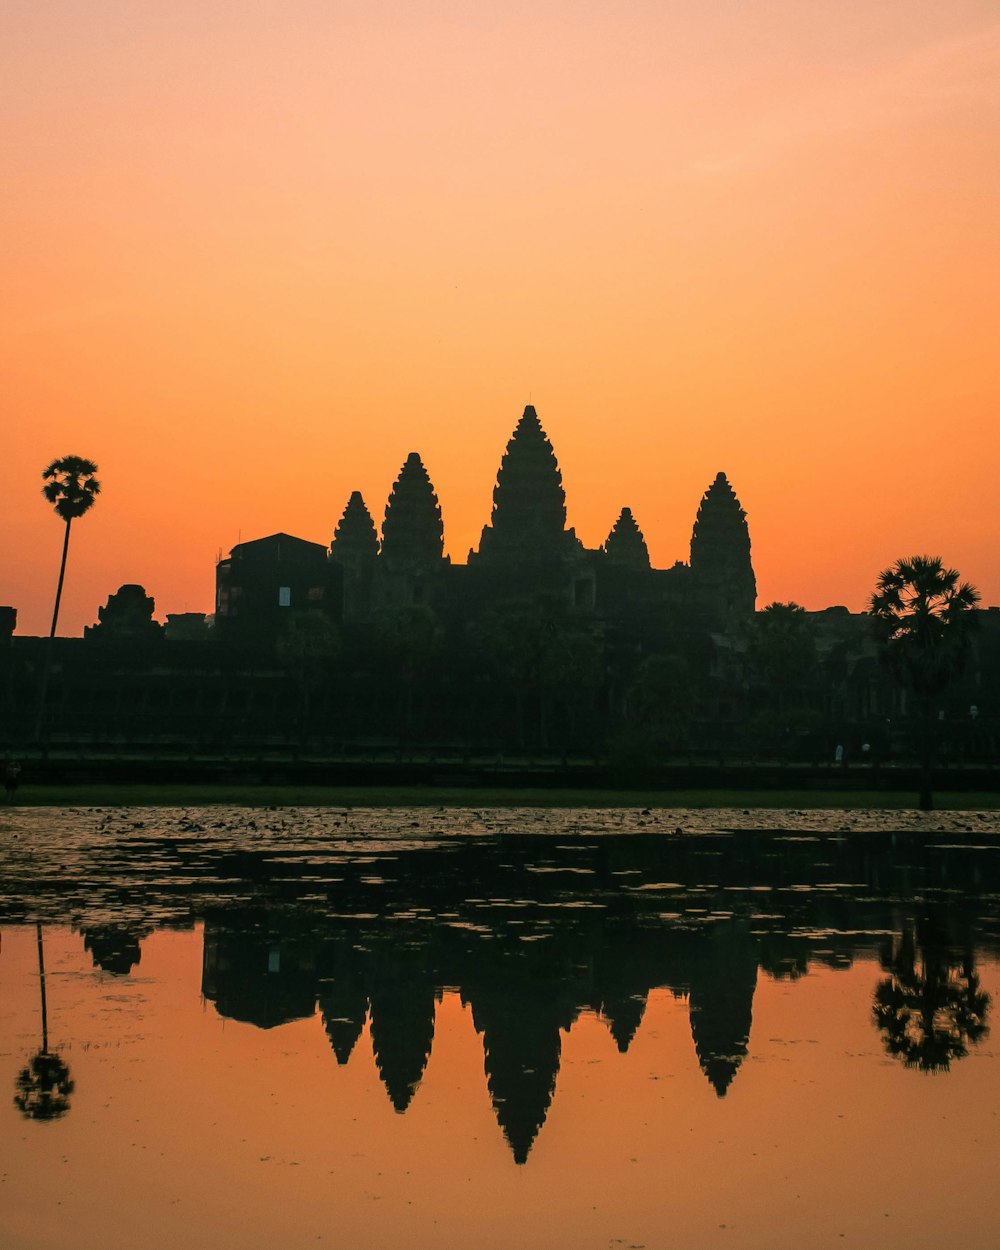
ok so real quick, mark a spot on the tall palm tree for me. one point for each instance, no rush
(922, 616)
(71, 487)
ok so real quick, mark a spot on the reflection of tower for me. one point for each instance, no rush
(623, 1013)
(624, 967)
(522, 1045)
(113, 949)
(402, 1024)
(344, 1005)
(720, 553)
(723, 980)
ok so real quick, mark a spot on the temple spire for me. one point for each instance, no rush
(528, 522)
(625, 545)
(355, 540)
(412, 532)
(720, 552)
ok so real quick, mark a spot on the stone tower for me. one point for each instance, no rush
(720, 554)
(355, 549)
(625, 546)
(528, 524)
(412, 532)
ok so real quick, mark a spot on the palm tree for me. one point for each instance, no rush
(71, 488)
(921, 617)
(782, 652)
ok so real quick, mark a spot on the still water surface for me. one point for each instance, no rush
(448, 1029)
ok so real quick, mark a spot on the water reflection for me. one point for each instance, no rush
(530, 929)
(43, 1087)
(930, 1008)
(532, 932)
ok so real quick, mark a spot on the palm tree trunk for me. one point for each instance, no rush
(41, 987)
(62, 575)
(47, 660)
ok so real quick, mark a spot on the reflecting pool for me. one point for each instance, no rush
(368, 1028)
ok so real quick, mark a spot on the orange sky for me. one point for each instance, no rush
(256, 253)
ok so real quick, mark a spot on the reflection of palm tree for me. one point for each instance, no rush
(929, 1009)
(43, 1088)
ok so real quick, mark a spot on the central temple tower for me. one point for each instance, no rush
(528, 524)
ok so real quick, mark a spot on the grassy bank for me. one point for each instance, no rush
(194, 795)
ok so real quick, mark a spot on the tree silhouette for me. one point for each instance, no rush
(931, 1006)
(782, 652)
(921, 618)
(411, 639)
(43, 1087)
(308, 646)
(662, 700)
(71, 487)
(543, 655)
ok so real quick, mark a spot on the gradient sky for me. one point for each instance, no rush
(255, 253)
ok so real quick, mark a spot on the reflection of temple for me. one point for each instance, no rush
(723, 980)
(114, 948)
(533, 933)
(521, 1002)
(258, 978)
(402, 1020)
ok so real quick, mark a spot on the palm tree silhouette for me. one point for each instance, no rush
(921, 617)
(43, 1087)
(931, 1007)
(71, 487)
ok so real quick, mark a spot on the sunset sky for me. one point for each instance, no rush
(255, 253)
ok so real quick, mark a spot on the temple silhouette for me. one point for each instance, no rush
(526, 552)
(379, 649)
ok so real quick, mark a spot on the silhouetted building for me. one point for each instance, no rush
(720, 553)
(528, 525)
(526, 552)
(264, 580)
(412, 550)
(126, 617)
(625, 545)
(187, 627)
(355, 549)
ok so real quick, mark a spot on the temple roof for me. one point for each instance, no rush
(412, 532)
(529, 503)
(625, 545)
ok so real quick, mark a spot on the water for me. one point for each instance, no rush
(515, 1028)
